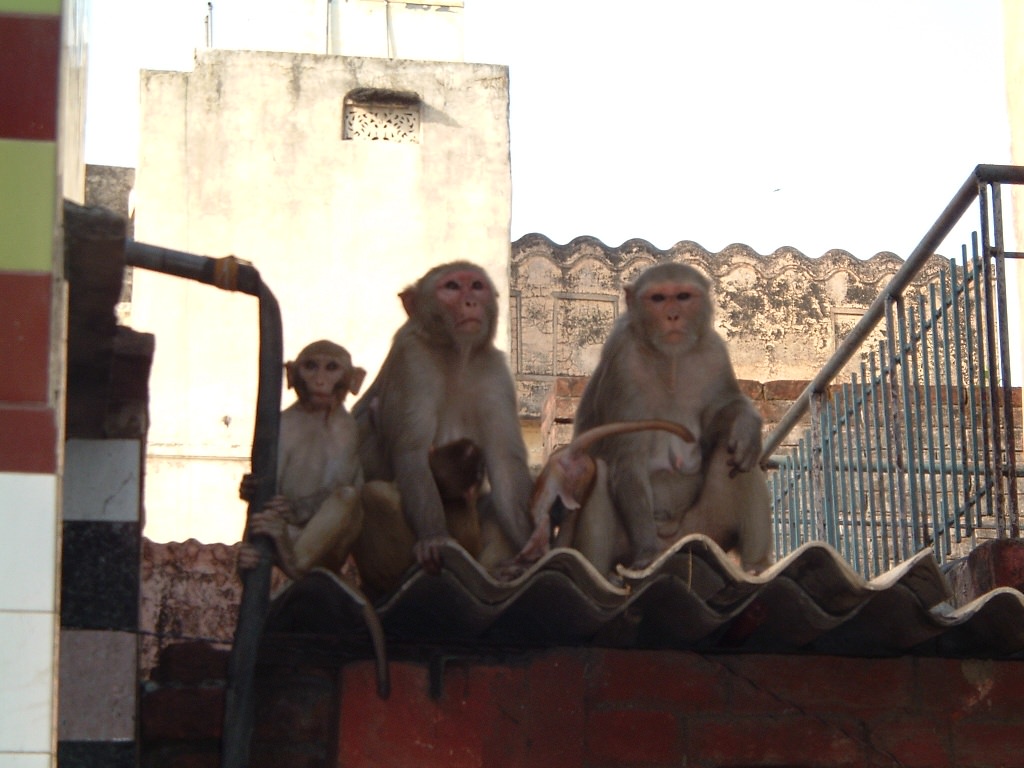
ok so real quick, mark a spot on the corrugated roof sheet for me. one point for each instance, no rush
(693, 597)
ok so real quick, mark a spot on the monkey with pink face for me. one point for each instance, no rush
(664, 360)
(443, 406)
(315, 515)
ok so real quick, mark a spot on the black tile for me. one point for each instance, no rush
(97, 754)
(100, 576)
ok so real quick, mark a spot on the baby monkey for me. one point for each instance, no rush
(315, 516)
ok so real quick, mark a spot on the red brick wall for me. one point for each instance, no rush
(599, 708)
(594, 708)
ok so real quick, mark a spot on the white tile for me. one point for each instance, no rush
(101, 480)
(97, 685)
(28, 548)
(27, 760)
(27, 692)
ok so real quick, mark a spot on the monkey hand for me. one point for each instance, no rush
(280, 507)
(247, 488)
(269, 523)
(744, 443)
(248, 557)
(538, 544)
(428, 552)
(643, 558)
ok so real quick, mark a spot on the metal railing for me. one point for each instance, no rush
(919, 448)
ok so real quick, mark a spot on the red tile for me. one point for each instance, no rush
(30, 63)
(24, 338)
(28, 440)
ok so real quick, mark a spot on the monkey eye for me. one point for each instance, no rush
(332, 365)
(683, 296)
(452, 285)
(309, 365)
(657, 298)
(478, 285)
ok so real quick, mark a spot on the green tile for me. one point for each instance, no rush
(28, 199)
(49, 7)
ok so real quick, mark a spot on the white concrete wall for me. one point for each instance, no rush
(245, 156)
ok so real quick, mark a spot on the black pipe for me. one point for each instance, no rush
(232, 274)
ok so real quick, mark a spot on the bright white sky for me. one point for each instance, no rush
(809, 123)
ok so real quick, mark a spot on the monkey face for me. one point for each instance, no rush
(672, 312)
(465, 296)
(320, 378)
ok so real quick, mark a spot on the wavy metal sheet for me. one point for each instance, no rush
(693, 597)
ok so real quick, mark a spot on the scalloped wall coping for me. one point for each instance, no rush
(586, 246)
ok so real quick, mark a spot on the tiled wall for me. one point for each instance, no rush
(31, 380)
(99, 604)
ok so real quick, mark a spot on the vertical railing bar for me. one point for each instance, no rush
(915, 436)
(940, 354)
(895, 415)
(797, 496)
(852, 459)
(910, 531)
(893, 474)
(930, 396)
(843, 508)
(972, 495)
(843, 519)
(816, 456)
(857, 479)
(984, 489)
(995, 469)
(776, 506)
(801, 520)
(809, 493)
(791, 519)
(823, 465)
(876, 392)
(779, 500)
(953, 359)
(796, 507)
(1006, 380)
(800, 499)
(835, 477)
(861, 503)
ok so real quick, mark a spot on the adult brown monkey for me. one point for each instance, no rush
(443, 380)
(664, 360)
(314, 517)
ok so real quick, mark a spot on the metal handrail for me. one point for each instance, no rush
(968, 192)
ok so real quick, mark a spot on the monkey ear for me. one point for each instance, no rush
(289, 372)
(355, 380)
(630, 290)
(408, 297)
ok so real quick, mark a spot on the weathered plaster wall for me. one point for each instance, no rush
(782, 315)
(245, 155)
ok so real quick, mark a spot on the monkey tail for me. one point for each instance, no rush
(373, 626)
(584, 440)
(379, 649)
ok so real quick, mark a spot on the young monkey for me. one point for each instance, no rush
(315, 516)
